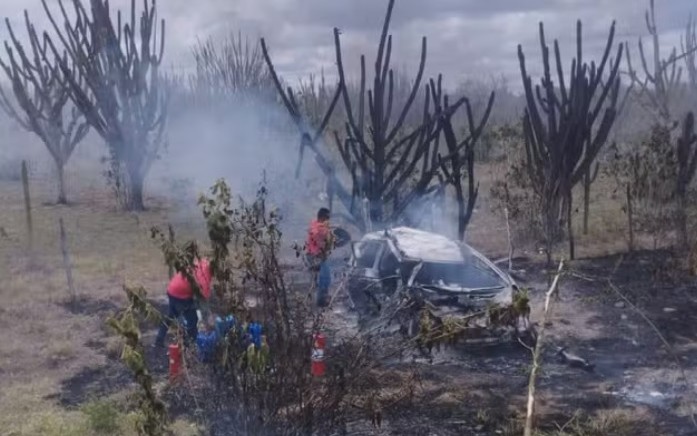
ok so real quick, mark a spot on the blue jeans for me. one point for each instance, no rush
(180, 308)
(324, 280)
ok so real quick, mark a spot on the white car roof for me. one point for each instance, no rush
(422, 245)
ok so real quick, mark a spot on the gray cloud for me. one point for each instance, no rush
(466, 38)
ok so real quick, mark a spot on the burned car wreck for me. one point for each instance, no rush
(435, 289)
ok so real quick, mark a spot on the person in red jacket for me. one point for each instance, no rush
(320, 242)
(182, 302)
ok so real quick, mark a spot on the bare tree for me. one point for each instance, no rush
(42, 101)
(390, 164)
(562, 146)
(116, 84)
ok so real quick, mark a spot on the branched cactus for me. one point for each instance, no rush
(689, 51)
(110, 71)
(661, 79)
(389, 145)
(566, 124)
(41, 99)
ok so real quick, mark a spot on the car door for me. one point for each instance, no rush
(364, 275)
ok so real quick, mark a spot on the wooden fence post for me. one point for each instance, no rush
(27, 204)
(66, 262)
(171, 240)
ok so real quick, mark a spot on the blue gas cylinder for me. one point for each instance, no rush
(224, 325)
(205, 345)
(254, 330)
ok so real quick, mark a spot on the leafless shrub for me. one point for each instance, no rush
(655, 178)
(511, 193)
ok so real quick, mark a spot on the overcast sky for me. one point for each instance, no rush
(466, 38)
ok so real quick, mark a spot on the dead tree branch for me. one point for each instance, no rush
(460, 160)
(537, 352)
(310, 135)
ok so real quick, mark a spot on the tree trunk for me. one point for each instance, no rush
(135, 192)
(27, 205)
(569, 226)
(586, 199)
(60, 171)
(461, 212)
(630, 218)
(552, 211)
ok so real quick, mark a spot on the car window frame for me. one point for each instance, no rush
(378, 255)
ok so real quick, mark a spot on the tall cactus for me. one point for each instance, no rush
(42, 101)
(565, 126)
(392, 163)
(689, 51)
(662, 79)
(116, 83)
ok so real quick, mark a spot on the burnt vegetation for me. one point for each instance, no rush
(393, 166)
(392, 150)
(565, 127)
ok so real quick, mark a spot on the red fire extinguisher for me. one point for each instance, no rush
(175, 362)
(318, 364)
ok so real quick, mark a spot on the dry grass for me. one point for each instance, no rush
(616, 422)
(44, 343)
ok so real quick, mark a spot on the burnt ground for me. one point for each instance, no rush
(481, 391)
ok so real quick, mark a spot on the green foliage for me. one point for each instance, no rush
(126, 324)
(179, 258)
(102, 416)
(217, 212)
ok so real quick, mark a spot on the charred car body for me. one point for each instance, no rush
(442, 288)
